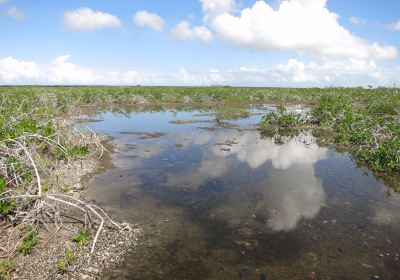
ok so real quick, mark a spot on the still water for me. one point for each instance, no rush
(218, 200)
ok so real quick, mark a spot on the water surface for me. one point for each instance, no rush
(218, 200)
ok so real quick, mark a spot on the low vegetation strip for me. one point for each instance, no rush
(365, 121)
(378, 100)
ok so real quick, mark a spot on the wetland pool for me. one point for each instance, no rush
(219, 200)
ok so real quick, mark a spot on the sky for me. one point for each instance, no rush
(286, 43)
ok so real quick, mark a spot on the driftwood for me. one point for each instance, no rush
(38, 207)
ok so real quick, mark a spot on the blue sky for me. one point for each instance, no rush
(200, 42)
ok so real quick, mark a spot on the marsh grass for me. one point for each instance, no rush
(365, 121)
(367, 124)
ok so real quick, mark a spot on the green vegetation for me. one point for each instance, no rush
(6, 267)
(366, 121)
(367, 125)
(66, 262)
(6, 207)
(82, 237)
(64, 189)
(282, 118)
(28, 242)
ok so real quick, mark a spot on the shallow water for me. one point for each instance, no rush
(217, 200)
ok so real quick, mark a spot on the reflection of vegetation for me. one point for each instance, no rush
(232, 109)
(280, 135)
(232, 113)
(393, 182)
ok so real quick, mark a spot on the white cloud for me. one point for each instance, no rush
(343, 72)
(150, 20)
(85, 19)
(357, 21)
(213, 8)
(396, 25)
(184, 32)
(15, 14)
(13, 70)
(300, 25)
(340, 72)
(3, 1)
(64, 72)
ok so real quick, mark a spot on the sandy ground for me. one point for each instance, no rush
(111, 247)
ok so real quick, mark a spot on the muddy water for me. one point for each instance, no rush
(217, 200)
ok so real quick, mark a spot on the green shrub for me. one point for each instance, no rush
(282, 118)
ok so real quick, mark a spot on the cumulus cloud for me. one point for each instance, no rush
(60, 71)
(300, 25)
(294, 72)
(15, 14)
(213, 8)
(63, 71)
(13, 71)
(396, 25)
(150, 20)
(85, 19)
(184, 32)
(343, 72)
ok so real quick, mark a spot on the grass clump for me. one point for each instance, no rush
(282, 118)
(66, 262)
(6, 268)
(29, 241)
(64, 189)
(81, 238)
(79, 151)
(6, 207)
